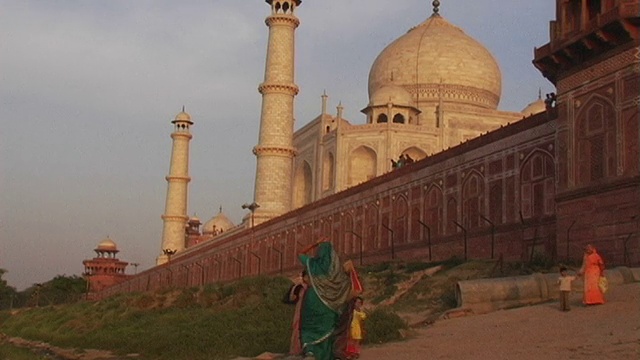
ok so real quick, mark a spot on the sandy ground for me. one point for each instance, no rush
(610, 331)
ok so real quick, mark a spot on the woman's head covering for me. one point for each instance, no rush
(328, 278)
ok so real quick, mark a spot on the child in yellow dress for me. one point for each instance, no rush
(357, 331)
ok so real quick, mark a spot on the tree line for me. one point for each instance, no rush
(61, 289)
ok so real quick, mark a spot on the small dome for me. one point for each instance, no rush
(535, 107)
(390, 94)
(183, 117)
(217, 224)
(436, 58)
(107, 245)
(194, 218)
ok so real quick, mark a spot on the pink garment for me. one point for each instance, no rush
(295, 345)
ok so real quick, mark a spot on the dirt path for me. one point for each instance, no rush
(610, 331)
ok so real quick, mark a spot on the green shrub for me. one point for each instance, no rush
(383, 325)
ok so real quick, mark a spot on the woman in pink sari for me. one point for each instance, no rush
(592, 269)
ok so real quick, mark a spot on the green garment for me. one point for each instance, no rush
(324, 301)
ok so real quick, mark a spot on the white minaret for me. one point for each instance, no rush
(275, 150)
(175, 213)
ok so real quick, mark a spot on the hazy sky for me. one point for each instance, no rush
(88, 90)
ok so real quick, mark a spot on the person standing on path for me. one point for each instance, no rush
(565, 288)
(592, 269)
(357, 330)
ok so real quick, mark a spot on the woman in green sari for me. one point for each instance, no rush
(324, 302)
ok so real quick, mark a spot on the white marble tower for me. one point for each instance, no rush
(175, 214)
(275, 151)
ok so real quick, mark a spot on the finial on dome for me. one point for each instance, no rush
(220, 209)
(182, 108)
(436, 7)
(539, 93)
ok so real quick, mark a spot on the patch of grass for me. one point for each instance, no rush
(418, 266)
(387, 282)
(450, 263)
(436, 294)
(383, 325)
(245, 318)
(11, 352)
(376, 268)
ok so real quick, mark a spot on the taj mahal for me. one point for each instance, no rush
(429, 90)
(434, 168)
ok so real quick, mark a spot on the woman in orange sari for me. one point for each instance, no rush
(592, 269)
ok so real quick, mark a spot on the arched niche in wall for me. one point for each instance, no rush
(302, 185)
(362, 165)
(537, 190)
(596, 141)
(415, 153)
(472, 200)
(632, 154)
(400, 219)
(371, 223)
(434, 210)
(328, 171)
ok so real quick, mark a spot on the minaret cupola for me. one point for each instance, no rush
(283, 6)
(182, 122)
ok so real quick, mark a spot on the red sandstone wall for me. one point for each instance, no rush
(503, 176)
(598, 198)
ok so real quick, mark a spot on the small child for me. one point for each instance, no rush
(565, 288)
(357, 331)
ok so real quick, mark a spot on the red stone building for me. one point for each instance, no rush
(593, 59)
(543, 186)
(105, 269)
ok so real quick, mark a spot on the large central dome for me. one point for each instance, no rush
(437, 59)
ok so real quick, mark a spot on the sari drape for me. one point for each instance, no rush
(324, 302)
(592, 268)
